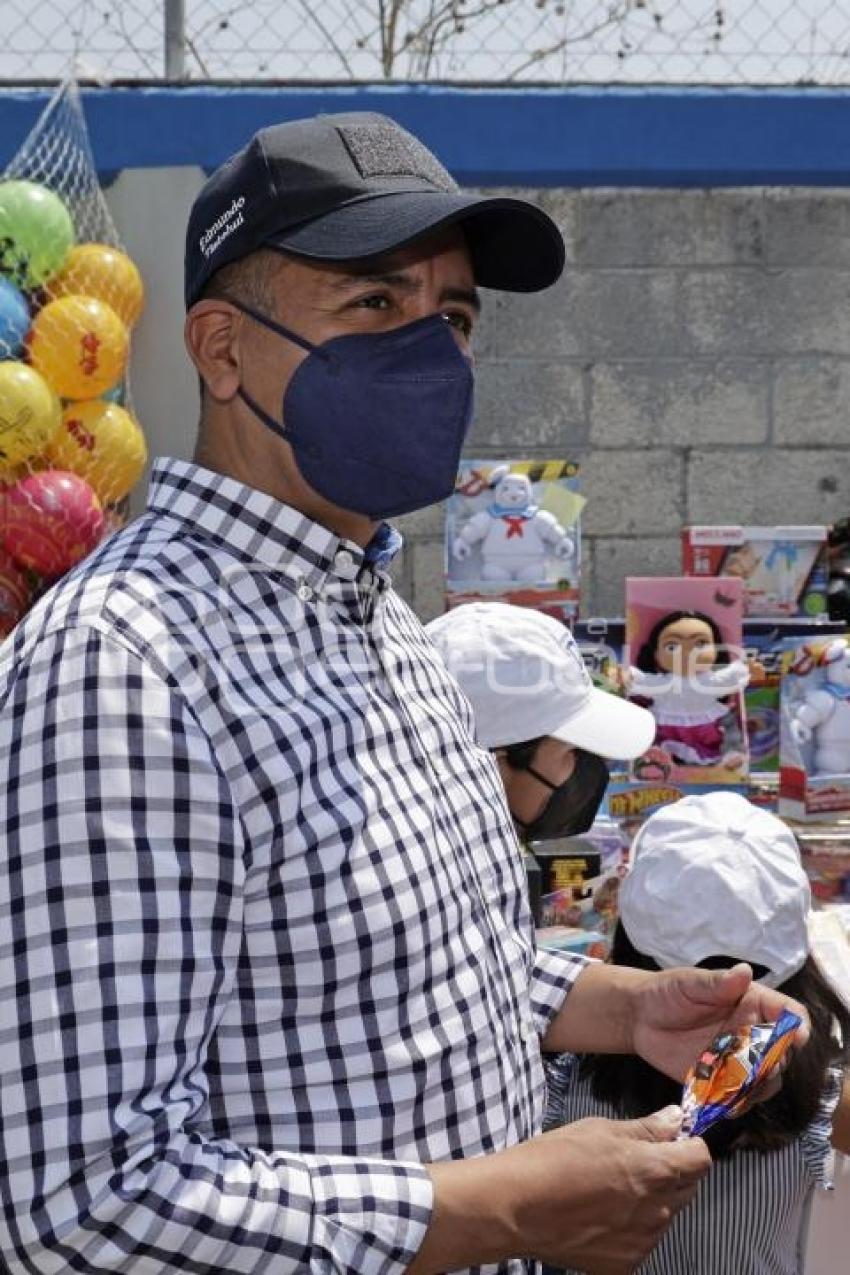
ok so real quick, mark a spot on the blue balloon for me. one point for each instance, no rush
(117, 394)
(14, 320)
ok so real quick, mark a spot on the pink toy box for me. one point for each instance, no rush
(685, 662)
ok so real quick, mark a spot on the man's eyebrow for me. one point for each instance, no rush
(392, 279)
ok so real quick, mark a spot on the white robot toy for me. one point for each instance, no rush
(516, 536)
(824, 715)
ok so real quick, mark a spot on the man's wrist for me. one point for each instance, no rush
(601, 1013)
(473, 1220)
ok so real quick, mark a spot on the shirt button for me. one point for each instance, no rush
(527, 1031)
(344, 558)
(305, 593)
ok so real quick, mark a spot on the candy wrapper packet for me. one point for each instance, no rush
(721, 1082)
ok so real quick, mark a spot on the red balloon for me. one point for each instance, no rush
(15, 593)
(53, 519)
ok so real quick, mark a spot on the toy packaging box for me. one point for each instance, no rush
(581, 917)
(764, 642)
(814, 772)
(513, 535)
(783, 569)
(600, 642)
(825, 853)
(629, 802)
(685, 663)
(580, 882)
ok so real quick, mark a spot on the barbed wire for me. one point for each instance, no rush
(504, 41)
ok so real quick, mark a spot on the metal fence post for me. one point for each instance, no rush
(175, 39)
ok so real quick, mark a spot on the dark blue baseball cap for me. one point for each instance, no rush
(354, 186)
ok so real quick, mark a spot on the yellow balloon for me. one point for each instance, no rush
(102, 443)
(30, 413)
(79, 345)
(98, 270)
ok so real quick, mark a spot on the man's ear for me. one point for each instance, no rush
(211, 333)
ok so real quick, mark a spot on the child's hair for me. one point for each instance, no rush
(635, 1089)
(646, 661)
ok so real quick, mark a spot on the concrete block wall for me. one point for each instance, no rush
(695, 358)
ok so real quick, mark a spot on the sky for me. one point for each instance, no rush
(596, 41)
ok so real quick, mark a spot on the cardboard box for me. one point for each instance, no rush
(783, 569)
(513, 534)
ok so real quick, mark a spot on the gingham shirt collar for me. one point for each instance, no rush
(257, 526)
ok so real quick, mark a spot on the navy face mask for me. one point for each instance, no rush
(376, 420)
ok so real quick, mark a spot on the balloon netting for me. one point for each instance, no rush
(71, 449)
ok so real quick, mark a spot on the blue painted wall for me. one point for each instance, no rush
(626, 137)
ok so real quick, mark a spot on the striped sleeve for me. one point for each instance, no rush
(815, 1141)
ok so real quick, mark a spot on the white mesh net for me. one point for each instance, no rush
(70, 447)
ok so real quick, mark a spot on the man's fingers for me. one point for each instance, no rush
(661, 1126)
(691, 1161)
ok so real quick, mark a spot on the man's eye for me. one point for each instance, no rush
(457, 319)
(375, 301)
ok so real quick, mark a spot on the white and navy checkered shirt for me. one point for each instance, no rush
(264, 942)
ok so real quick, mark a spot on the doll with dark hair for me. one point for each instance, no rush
(684, 671)
(716, 881)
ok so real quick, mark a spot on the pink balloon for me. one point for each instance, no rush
(53, 519)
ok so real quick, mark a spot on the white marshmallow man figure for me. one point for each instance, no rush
(824, 715)
(515, 535)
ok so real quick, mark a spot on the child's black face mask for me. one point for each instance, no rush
(573, 805)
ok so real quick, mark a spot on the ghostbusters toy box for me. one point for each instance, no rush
(814, 773)
(513, 535)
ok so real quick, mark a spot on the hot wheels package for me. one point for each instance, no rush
(724, 1078)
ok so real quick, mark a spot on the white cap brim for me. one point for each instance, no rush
(608, 726)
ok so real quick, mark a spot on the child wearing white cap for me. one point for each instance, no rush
(715, 881)
(535, 706)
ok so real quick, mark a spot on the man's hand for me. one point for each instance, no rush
(596, 1195)
(677, 1013)
(668, 1018)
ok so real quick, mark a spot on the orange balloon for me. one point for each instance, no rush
(102, 443)
(79, 345)
(101, 271)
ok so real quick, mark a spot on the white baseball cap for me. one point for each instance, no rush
(714, 875)
(524, 676)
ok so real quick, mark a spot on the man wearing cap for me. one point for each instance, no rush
(536, 708)
(268, 988)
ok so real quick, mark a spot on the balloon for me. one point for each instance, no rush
(118, 394)
(36, 233)
(103, 444)
(15, 593)
(30, 413)
(98, 270)
(80, 345)
(53, 519)
(14, 320)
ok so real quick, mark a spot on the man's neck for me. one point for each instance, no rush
(271, 476)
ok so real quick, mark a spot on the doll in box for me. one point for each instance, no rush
(516, 536)
(684, 671)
